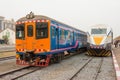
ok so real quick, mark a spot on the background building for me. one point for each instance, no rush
(9, 35)
(1, 23)
(7, 31)
(9, 24)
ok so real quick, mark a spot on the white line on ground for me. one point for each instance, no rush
(116, 66)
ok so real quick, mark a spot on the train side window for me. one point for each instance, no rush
(76, 36)
(68, 35)
(20, 31)
(53, 32)
(41, 30)
(71, 36)
(29, 30)
(62, 34)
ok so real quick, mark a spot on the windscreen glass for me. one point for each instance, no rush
(98, 31)
(41, 30)
(20, 31)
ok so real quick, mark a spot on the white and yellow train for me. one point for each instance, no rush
(100, 39)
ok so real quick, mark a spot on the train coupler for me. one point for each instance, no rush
(37, 62)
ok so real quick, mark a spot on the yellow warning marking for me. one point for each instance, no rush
(89, 53)
(107, 54)
(98, 39)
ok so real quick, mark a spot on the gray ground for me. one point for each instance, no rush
(68, 67)
(7, 48)
(8, 65)
(107, 70)
(91, 70)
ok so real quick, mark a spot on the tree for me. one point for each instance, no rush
(5, 38)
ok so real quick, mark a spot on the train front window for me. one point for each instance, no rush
(98, 31)
(20, 32)
(30, 31)
(41, 30)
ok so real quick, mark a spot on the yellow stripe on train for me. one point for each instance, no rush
(98, 39)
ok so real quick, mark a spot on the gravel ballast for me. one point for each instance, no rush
(68, 67)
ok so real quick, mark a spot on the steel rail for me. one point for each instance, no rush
(12, 72)
(7, 58)
(98, 71)
(81, 68)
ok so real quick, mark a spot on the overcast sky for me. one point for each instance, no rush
(81, 14)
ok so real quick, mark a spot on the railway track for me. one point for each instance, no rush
(92, 67)
(81, 68)
(17, 73)
(7, 58)
(3, 51)
(98, 70)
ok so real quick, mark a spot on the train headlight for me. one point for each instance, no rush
(103, 45)
(17, 56)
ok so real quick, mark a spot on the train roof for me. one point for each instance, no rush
(100, 26)
(40, 17)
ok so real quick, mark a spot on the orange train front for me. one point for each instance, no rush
(41, 40)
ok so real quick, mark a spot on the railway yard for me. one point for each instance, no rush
(77, 67)
(54, 42)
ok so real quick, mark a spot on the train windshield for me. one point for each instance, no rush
(98, 31)
(20, 32)
(41, 30)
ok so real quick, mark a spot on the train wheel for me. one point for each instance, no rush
(58, 58)
(62, 56)
(52, 60)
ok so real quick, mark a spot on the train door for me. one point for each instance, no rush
(54, 38)
(30, 30)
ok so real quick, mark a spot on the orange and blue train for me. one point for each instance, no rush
(41, 40)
